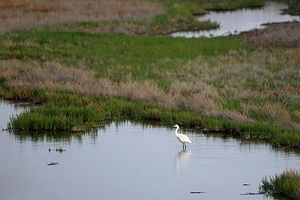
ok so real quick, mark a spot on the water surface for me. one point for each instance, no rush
(234, 22)
(132, 161)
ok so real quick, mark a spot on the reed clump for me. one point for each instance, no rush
(285, 185)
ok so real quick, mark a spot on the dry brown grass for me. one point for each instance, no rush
(29, 5)
(276, 112)
(275, 34)
(260, 76)
(297, 114)
(199, 97)
(23, 14)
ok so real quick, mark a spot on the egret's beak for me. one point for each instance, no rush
(174, 126)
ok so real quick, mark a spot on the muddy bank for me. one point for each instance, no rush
(295, 12)
(286, 34)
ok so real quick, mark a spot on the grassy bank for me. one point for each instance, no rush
(218, 83)
(285, 185)
(66, 111)
(222, 5)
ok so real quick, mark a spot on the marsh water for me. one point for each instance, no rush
(234, 22)
(128, 160)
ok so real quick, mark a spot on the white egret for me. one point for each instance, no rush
(181, 137)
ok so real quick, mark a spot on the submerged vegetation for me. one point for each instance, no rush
(285, 185)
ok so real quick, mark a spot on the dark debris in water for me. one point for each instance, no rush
(60, 150)
(246, 184)
(253, 193)
(197, 192)
(52, 163)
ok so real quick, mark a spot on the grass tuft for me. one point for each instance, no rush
(285, 185)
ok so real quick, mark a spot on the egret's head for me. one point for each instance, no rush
(175, 126)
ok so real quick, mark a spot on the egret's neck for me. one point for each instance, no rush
(176, 130)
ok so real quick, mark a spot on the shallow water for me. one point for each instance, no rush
(132, 161)
(234, 22)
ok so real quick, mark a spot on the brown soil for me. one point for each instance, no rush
(286, 34)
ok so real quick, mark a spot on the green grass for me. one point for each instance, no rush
(62, 110)
(179, 14)
(109, 52)
(285, 185)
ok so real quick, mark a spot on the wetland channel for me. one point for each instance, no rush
(237, 21)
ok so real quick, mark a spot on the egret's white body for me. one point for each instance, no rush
(181, 137)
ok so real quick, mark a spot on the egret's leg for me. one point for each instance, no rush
(182, 145)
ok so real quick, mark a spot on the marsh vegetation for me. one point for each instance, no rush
(220, 83)
(85, 63)
(285, 185)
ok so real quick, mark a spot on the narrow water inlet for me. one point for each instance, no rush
(133, 161)
(235, 22)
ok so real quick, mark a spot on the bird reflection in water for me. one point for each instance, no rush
(182, 159)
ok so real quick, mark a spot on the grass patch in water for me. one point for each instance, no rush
(66, 111)
(285, 185)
